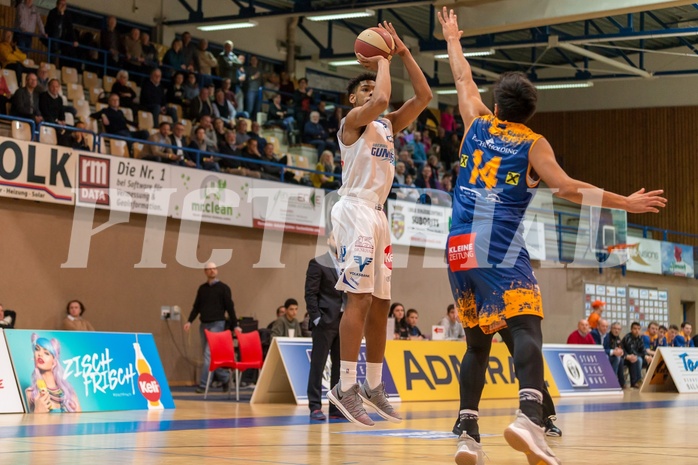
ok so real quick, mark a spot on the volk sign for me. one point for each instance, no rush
(32, 171)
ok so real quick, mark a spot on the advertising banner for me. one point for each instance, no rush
(581, 370)
(288, 208)
(33, 171)
(418, 224)
(644, 255)
(673, 369)
(677, 260)
(123, 184)
(10, 399)
(210, 197)
(72, 371)
(430, 370)
(284, 376)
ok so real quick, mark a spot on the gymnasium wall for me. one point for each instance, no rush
(35, 241)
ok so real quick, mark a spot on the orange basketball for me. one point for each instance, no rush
(375, 41)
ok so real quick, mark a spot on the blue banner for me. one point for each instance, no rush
(295, 353)
(69, 371)
(677, 259)
(580, 369)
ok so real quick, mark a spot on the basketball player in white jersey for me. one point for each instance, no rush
(361, 228)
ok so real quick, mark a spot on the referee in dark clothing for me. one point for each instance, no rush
(213, 300)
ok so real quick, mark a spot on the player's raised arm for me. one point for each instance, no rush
(469, 100)
(543, 161)
(378, 97)
(412, 108)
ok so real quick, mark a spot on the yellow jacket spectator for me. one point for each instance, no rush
(9, 53)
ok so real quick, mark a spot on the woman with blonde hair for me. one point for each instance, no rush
(326, 165)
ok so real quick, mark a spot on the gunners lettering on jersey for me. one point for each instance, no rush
(489, 143)
(382, 151)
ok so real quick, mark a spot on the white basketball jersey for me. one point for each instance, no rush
(368, 165)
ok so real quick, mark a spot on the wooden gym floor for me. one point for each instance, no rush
(633, 429)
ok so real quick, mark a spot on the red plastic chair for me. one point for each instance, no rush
(251, 357)
(222, 354)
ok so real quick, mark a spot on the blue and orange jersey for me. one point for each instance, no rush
(494, 170)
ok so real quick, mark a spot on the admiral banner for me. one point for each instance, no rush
(33, 171)
(418, 224)
(10, 399)
(284, 376)
(123, 184)
(210, 197)
(677, 260)
(644, 255)
(430, 370)
(71, 371)
(581, 370)
(673, 369)
(288, 208)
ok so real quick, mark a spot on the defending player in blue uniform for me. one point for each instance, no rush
(489, 268)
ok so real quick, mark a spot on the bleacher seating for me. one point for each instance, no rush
(69, 75)
(21, 130)
(11, 79)
(47, 135)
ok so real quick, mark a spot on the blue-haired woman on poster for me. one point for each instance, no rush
(49, 391)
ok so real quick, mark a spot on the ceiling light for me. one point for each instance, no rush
(343, 63)
(473, 53)
(347, 15)
(482, 90)
(564, 85)
(222, 27)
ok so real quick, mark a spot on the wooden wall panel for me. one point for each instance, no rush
(625, 150)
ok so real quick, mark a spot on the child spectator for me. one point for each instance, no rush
(413, 332)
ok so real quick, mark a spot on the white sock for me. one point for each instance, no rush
(347, 375)
(374, 374)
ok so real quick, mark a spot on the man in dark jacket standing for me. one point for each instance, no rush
(59, 25)
(324, 304)
(635, 354)
(213, 301)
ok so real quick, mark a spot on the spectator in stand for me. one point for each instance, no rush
(74, 321)
(433, 161)
(272, 172)
(151, 58)
(191, 88)
(651, 338)
(92, 57)
(77, 139)
(450, 150)
(7, 318)
(280, 311)
(153, 97)
(251, 152)
(59, 25)
(426, 140)
(447, 183)
(28, 21)
(272, 84)
(599, 333)
(219, 130)
(5, 95)
(52, 110)
(287, 323)
(174, 59)
(253, 84)
(419, 153)
(179, 140)
(635, 354)
(241, 78)
(409, 192)
(451, 322)
(400, 172)
(11, 57)
(25, 101)
(231, 165)
(109, 40)
(121, 88)
(302, 102)
(397, 311)
(241, 136)
(613, 346)
(157, 152)
(206, 62)
(115, 122)
(316, 135)
(255, 133)
(581, 335)
(333, 122)
(425, 180)
(597, 308)
(671, 335)
(286, 85)
(448, 122)
(200, 105)
(223, 109)
(326, 165)
(200, 142)
(662, 332)
(683, 337)
(410, 168)
(410, 324)
(322, 111)
(42, 79)
(278, 114)
(228, 63)
(133, 50)
(227, 88)
(207, 123)
(189, 52)
(175, 94)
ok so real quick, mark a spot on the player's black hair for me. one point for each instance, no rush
(516, 97)
(354, 83)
